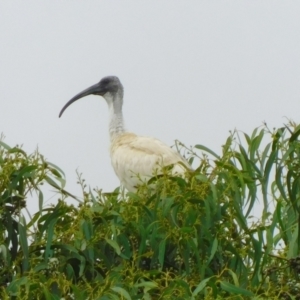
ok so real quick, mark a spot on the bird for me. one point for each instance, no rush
(135, 159)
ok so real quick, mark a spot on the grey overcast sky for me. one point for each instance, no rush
(192, 70)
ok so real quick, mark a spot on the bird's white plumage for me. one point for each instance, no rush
(136, 159)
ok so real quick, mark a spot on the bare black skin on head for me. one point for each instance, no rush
(109, 84)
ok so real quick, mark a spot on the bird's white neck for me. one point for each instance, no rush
(116, 121)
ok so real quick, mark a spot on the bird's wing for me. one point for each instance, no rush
(136, 157)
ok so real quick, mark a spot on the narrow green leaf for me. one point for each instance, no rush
(213, 250)
(294, 136)
(41, 200)
(253, 135)
(234, 277)
(52, 182)
(87, 228)
(227, 146)
(242, 157)
(230, 288)
(292, 246)
(133, 196)
(17, 150)
(92, 196)
(166, 205)
(267, 171)
(24, 172)
(202, 178)
(248, 139)
(240, 217)
(62, 181)
(278, 178)
(55, 172)
(257, 245)
(186, 229)
(251, 200)
(41, 266)
(148, 284)
(3, 252)
(4, 145)
(33, 220)
(200, 286)
(287, 154)
(121, 292)
(15, 285)
(110, 296)
(264, 156)
(57, 168)
(214, 191)
(23, 243)
(276, 137)
(48, 295)
(81, 294)
(114, 245)
(57, 212)
(70, 272)
(201, 147)
(255, 144)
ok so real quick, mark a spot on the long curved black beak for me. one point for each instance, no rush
(92, 90)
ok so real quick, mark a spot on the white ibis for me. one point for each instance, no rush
(134, 158)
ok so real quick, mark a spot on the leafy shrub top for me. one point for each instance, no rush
(173, 239)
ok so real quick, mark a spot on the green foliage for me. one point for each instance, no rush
(193, 238)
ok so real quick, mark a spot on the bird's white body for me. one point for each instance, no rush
(135, 159)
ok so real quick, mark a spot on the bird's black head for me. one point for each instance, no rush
(109, 84)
